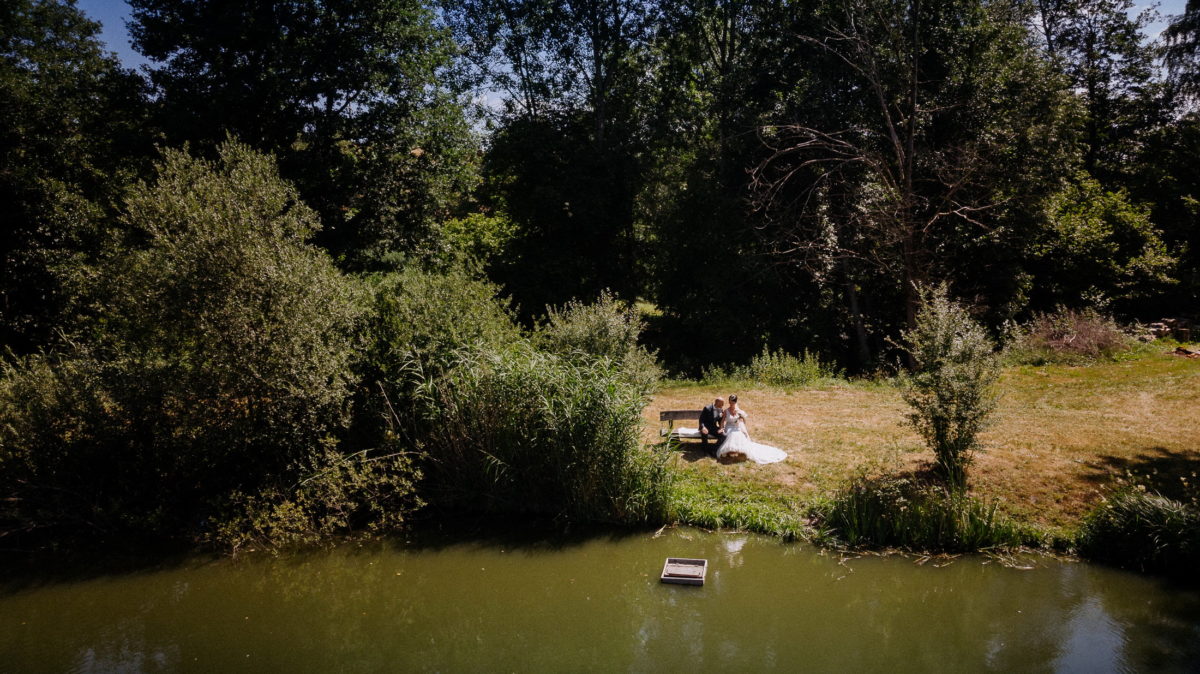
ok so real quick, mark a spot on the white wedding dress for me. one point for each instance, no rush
(736, 440)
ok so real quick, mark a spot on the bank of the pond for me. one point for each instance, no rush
(1064, 437)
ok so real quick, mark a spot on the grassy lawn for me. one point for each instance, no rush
(1060, 434)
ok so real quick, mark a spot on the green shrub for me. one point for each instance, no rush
(425, 318)
(360, 492)
(603, 330)
(913, 515)
(524, 431)
(952, 388)
(1067, 336)
(474, 240)
(1145, 531)
(775, 368)
(217, 362)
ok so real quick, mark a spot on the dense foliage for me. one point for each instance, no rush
(601, 332)
(71, 129)
(1137, 529)
(529, 432)
(317, 249)
(355, 97)
(903, 513)
(212, 359)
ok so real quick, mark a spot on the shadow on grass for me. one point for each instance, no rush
(688, 451)
(1158, 468)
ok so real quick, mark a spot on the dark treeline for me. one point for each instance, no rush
(797, 165)
(260, 287)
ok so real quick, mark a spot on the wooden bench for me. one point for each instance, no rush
(669, 417)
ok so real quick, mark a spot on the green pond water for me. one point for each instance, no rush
(594, 603)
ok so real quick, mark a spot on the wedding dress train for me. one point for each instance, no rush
(736, 441)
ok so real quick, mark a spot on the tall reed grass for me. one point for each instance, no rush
(910, 514)
(525, 431)
(775, 368)
(606, 329)
(1142, 530)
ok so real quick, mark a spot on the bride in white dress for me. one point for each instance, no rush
(737, 440)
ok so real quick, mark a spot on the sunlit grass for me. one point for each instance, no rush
(1060, 434)
(712, 503)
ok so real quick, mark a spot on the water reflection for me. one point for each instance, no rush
(596, 604)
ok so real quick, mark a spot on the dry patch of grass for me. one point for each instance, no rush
(1060, 434)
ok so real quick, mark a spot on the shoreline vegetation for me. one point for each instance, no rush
(442, 405)
(255, 297)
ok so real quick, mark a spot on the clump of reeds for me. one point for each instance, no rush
(1067, 336)
(915, 515)
(775, 368)
(1138, 529)
(525, 431)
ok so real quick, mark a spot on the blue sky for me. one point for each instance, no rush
(112, 15)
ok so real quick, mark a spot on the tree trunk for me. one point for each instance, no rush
(856, 318)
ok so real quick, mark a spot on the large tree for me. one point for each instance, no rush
(1183, 50)
(567, 159)
(351, 95)
(70, 121)
(1111, 65)
(932, 134)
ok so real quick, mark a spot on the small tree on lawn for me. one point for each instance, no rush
(952, 386)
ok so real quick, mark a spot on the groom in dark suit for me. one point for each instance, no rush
(712, 423)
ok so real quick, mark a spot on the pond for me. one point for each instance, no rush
(594, 603)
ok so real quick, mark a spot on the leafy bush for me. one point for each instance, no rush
(472, 241)
(217, 362)
(603, 330)
(775, 368)
(524, 431)
(951, 390)
(1142, 530)
(1100, 243)
(340, 493)
(917, 516)
(425, 318)
(1067, 336)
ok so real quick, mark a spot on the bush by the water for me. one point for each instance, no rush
(525, 431)
(210, 382)
(775, 368)
(603, 330)
(1142, 530)
(914, 515)
(1067, 336)
(422, 318)
(951, 389)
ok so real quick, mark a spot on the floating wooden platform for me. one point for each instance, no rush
(684, 571)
